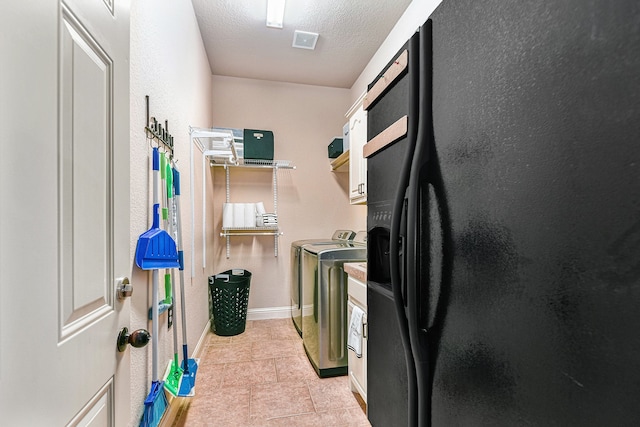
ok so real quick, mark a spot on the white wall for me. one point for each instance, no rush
(312, 200)
(417, 12)
(168, 63)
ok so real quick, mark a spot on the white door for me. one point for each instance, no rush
(64, 212)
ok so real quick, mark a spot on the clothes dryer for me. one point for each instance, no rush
(339, 236)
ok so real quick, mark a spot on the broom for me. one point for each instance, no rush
(156, 402)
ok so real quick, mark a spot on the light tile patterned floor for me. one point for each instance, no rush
(262, 377)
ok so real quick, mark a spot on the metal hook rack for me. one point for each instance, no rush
(155, 131)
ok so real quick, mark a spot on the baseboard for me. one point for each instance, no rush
(269, 313)
(197, 352)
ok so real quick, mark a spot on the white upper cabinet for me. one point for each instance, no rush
(357, 162)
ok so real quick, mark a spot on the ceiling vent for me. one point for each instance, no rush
(304, 40)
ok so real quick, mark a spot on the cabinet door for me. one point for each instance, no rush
(362, 123)
(358, 365)
(357, 162)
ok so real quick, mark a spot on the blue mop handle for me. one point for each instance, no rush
(156, 205)
(156, 216)
(176, 182)
(185, 351)
(156, 159)
(185, 359)
(176, 191)
(156, 202)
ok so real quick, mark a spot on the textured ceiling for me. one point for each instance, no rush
(239, 44)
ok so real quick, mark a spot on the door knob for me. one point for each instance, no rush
(123, 288)
(138, 338)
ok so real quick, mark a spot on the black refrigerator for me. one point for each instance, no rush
(504, 218)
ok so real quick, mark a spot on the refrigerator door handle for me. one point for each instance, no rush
(418, 226)
(438, 250)
(401, 261)
(397, 246)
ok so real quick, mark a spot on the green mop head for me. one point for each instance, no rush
(173, 377)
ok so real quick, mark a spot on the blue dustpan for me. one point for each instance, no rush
(156, 248)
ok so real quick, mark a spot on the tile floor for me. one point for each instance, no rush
(262, 377)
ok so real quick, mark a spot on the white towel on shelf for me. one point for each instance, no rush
(267, 220)
(238, 215)
(249, 215)
(354, 342)
(227, 215)
(260, 208)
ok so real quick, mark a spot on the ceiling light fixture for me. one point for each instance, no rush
(275, 13)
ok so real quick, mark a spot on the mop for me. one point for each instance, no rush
(173, 374)
(189, 366)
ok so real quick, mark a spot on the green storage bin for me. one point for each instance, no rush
(335, 148)
(229, 298)
(258, 144)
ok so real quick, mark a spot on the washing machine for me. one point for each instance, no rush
(339, 236)
(324, 302)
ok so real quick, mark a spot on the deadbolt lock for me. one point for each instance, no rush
(124, 289)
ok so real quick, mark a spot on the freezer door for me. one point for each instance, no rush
(387, 382)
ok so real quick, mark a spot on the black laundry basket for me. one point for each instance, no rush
(229, 292)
